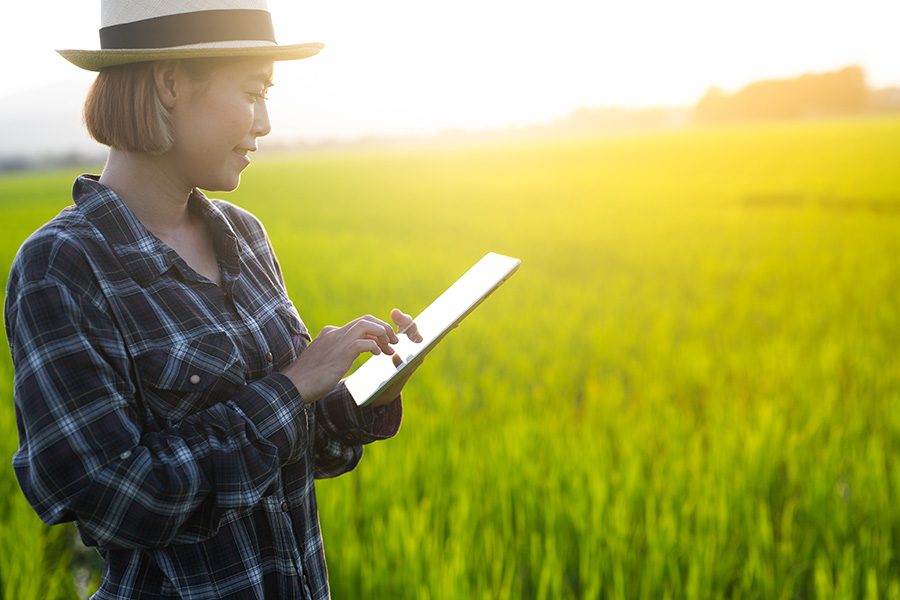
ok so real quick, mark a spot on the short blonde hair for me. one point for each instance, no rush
(123, 111)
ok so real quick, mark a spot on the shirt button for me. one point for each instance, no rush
(125, 454)
(285, 507)
(195, 379)
(268, 357)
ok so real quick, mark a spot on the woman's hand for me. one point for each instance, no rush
(404, 322)
(328, 358)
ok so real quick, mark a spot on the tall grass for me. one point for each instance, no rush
(691, 389)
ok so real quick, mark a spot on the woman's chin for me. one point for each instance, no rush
(222, 184)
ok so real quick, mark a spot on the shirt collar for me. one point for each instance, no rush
(141, 253)
(225, 240)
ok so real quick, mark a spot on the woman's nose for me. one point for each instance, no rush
(261, 125)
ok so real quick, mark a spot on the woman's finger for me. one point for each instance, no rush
(363, 326)
(401, 318)
(385, 347)
(364, 329)
(405, 324)
(366, 345)
(389, 334)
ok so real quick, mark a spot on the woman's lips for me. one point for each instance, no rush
(243, 155)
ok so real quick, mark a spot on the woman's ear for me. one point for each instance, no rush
(166, 79)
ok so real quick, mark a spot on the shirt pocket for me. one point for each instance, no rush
(298, 335)
(189, 376)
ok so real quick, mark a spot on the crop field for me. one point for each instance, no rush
(690, 389)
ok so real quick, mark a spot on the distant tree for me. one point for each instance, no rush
(836, 93)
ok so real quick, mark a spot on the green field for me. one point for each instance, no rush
(691, 388)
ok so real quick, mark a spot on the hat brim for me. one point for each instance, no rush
(94, 60)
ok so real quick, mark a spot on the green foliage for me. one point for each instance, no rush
(691, 389)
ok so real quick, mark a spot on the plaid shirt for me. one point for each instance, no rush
(151, 412)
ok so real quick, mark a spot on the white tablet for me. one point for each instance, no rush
(442, 315)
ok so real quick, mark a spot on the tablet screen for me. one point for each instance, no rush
(433, 323)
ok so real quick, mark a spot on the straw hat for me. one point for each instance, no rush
(136, 31)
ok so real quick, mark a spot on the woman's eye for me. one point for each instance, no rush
(257, 96)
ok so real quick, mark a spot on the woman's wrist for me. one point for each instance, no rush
(307, 394)
(305, 382)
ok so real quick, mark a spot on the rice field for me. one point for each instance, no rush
(690, 389)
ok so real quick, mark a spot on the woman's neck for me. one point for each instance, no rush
(150, 187)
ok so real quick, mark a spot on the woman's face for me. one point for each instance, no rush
(216, 122)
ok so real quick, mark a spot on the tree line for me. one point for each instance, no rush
(836, 93)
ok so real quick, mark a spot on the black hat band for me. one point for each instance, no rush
(200, 27)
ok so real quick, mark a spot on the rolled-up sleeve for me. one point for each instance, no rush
(342, 428)
(84, 456)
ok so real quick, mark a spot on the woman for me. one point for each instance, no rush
(168, 398)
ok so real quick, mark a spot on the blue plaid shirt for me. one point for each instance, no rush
(151, 412)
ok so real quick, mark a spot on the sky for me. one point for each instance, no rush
(398, 67)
